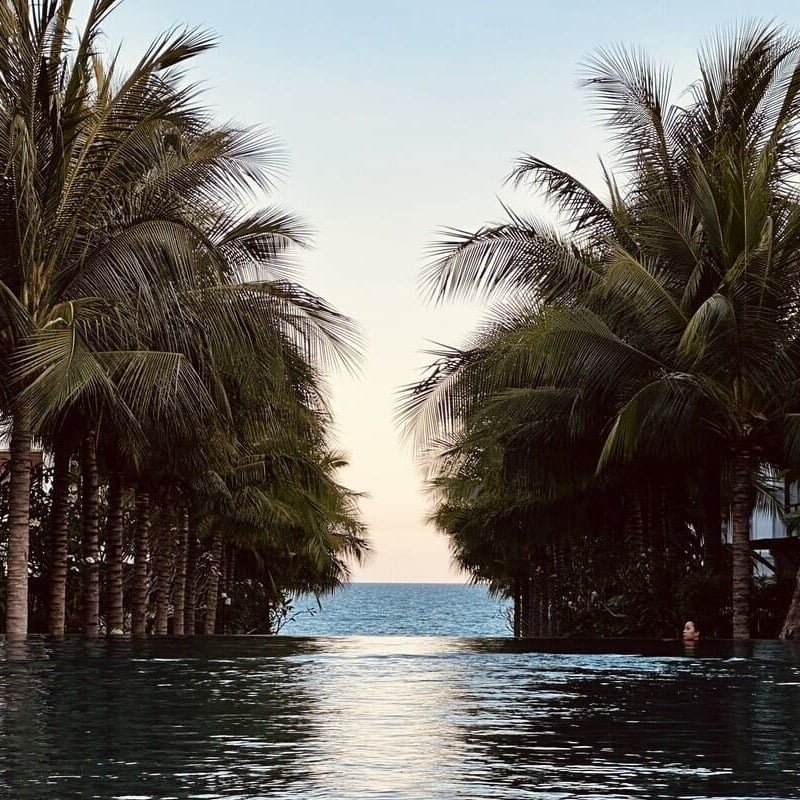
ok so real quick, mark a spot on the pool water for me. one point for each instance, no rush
(398, 717)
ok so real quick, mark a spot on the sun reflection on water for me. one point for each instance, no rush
(393, 734)
(396, 718)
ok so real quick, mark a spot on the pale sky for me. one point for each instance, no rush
(401, 117)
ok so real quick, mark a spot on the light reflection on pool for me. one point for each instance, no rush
(397, 717)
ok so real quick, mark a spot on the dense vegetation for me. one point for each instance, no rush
(597, 449)
(155, 345)
(636, 391)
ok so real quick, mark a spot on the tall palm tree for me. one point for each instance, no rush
(669, 309)
(67, 162)
(278, 507)
(144, 249)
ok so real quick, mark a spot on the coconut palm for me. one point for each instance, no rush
(68, 161)
(130, 268)
(669, 310)
(280, 497)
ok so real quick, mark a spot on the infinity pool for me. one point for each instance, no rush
(397, 717)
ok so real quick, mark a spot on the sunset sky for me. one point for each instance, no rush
(402, 117)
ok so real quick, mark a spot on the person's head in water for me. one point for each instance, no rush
(690, 632)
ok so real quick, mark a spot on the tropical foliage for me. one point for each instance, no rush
(155, 342)
(635, 390)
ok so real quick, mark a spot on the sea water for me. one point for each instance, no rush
(401, 609)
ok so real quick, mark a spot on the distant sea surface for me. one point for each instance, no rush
(401, 609)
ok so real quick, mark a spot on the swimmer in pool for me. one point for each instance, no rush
(690, 632)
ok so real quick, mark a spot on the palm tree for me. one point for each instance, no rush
(129, 250)
(278, 508)
(127, 271)
(59, 531)
(63, 165)
(669, 310)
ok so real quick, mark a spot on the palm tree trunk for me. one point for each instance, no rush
(553, 582)
(161, 546)
(139, 604)
(526, 615)
(711, 494)
(230, 572)
(90, 489)
(59, 540)
(743, 501)
(116, 618)
(230, 575)
(791, 625)
(667, 547)
(537, 607)
(180, 572)
(19, 515)
(650, 521)
(517, 608)
(223, 592)
(190, 625)
(543, 574)
(635, 525)
(213, 586)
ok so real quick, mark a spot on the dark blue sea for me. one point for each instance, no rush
(401, 609)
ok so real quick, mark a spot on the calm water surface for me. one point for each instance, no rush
(405, 609)
(400, 717)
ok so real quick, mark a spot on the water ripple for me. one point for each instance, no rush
(396, 718)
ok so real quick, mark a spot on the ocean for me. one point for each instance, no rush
(401, 609)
